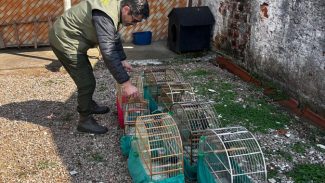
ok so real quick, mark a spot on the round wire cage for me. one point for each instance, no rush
(233, 155)
(161, 76)
(172, 93)
(131, 112)
(193, 119)
(160, 146)
(154, 78)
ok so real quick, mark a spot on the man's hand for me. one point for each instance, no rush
(130, 90)
(127, 66)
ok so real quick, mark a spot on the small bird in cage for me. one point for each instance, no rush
(170, 159)
(204, 122)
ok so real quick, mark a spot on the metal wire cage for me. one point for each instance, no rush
(233, 155)
(161, 76)
(172, 93)
(137, 80)
(193, 119)
(160, 146)
(154, 78)
(131, 112)
(121, 100)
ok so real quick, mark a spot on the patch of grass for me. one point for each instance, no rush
(285, 155)
(97, 157)
(199, 72)
(255, 113)
(257, 116)
(226, 93)
(49, 82)
(308, 173)
(278, 95)
(192, 55)
(316, 135)
(203, 87)
(225, 86)
(299, 147)
(272, 174)
(46, 164)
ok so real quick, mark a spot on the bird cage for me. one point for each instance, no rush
(137, 81)
(172, 93)
(121, 99)
(154, 78)
(193, 119)
(131, 112)
(160, 146)
(233, 155)
(161, 76)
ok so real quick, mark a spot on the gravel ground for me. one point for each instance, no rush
(39, 141)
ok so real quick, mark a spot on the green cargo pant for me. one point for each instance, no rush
(80, 70)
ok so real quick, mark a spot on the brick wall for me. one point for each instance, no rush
(157, 22)
(281, 40)
(232, 28)
(26, 22)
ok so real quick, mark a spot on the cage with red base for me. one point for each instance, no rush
(122, 100)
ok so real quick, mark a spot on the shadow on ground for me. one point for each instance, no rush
(96, 158)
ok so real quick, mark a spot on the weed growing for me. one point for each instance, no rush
(308, 173)
(97, 157)
(285, 155)
(254, 113)
(46, 164)
(299, 147)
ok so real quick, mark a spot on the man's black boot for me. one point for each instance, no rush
(96, 109)
(88, 124)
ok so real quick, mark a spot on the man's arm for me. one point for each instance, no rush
(110, 45)
(112, 51)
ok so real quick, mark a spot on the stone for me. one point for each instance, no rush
(73, 172)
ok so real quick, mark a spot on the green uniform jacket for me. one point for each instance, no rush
(74, 32)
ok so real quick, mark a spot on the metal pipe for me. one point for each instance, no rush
(67, 4)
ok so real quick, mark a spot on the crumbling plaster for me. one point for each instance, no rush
(286, 43)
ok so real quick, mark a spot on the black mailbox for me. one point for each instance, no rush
(189, 29)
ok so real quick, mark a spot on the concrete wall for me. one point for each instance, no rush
(282, 40)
